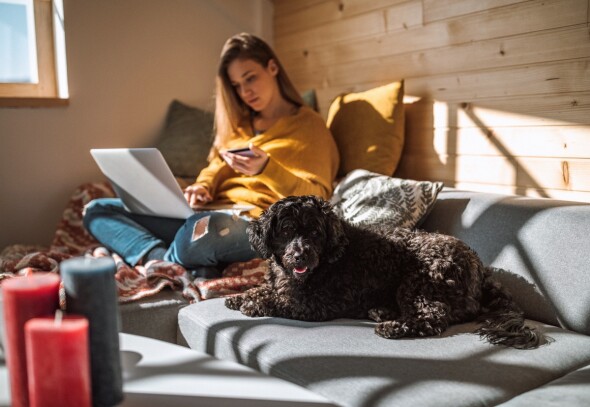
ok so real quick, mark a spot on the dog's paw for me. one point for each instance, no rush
(234, 302)
(381, 314)
(251, 308)
(408, 328)
(392, 330)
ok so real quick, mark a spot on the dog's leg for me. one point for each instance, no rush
(421, 317)
(256, 302)
(235, 301)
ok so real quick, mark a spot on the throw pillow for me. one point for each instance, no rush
(186, 139)
(368, 128)
(364, 198)
(310, 99)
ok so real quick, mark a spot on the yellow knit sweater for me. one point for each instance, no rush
(303, 159)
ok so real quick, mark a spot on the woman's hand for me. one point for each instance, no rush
(197, 194)
(246, 165)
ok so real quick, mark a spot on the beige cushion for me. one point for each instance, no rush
(369, 129)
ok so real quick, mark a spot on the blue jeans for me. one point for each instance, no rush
(204, 239)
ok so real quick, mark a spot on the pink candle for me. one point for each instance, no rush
(58, 362)
(25, 298)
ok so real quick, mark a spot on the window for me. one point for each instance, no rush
(32, 54)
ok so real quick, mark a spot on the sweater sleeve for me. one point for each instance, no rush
(210, 176)
(303, 158)
(286, 182)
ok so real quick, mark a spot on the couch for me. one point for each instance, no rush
(539, 248)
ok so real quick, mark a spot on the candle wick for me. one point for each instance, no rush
(58, 317)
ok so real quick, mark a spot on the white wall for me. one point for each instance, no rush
(126, 61)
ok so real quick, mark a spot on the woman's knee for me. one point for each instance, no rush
(193, 241)
(204, 238)
(100, 207)
(103, 205)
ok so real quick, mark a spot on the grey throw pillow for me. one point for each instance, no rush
(365, 198)
(310, 99)
(186, 139)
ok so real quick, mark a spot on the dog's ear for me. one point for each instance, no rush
(336, 240)
(258, 235)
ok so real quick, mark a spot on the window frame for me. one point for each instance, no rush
(46, 92)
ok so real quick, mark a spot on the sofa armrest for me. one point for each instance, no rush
(571, 390)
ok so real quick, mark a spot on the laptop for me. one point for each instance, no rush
(144, 182)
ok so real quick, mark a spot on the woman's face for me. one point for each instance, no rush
(255, 84)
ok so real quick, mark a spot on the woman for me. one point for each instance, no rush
(291, 153)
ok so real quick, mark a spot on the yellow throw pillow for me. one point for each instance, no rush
(369, 129)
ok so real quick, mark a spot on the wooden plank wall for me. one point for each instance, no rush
(498, 90)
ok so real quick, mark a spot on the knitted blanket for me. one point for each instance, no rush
(71, 239)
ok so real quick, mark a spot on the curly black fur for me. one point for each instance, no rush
(412, 283)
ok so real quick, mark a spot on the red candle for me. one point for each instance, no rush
(25, 298)
(58, 363)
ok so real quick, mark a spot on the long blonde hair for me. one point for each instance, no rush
(230, 110)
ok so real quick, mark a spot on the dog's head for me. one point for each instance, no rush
(299, 233)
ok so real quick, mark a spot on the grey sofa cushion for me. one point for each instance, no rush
(155, 317)
(344, 360)
(543, 244)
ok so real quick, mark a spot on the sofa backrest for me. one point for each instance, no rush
(541, 245)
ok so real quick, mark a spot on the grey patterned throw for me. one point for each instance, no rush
(365, 198)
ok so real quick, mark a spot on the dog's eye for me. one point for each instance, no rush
(315, 233)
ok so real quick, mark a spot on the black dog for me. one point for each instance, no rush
(412, 283)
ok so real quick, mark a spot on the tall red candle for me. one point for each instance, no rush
(24, 298)
(58, 362)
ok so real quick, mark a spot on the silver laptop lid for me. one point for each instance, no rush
(144, 182)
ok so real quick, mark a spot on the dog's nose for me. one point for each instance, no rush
(298, 254)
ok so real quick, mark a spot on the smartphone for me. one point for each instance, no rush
(245, 151)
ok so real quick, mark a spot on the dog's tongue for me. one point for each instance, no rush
(300, 270)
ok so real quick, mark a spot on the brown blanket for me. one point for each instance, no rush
(71, 239)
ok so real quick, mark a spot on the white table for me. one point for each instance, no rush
(157, 373)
